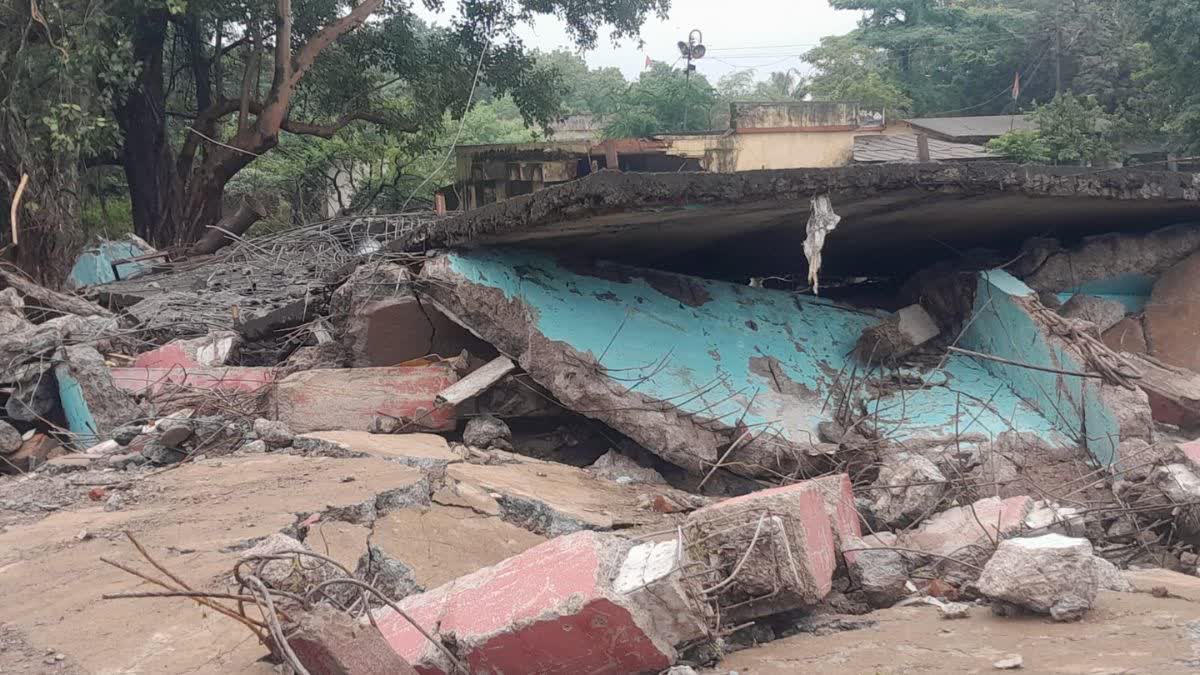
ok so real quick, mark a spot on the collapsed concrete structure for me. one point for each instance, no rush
(758, 454)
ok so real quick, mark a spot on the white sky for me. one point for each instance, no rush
(765, 35)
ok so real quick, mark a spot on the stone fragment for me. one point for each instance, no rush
(330, 642)
(253, 447)
(173, 431)
(1110, 578)
(954, 610)
(285, 574)
(1173, 393)
(838, 496)
(275, 434)
(1050, 574)
(966, 534)
(1102, 312)
(467, 496)
(791, 562)
(904, 331)
(1126, 335)
(614, 466)
(1011, 662)
(124, 461)
(320, 400)
(556, 608)
(159, 454)
(1046, 517)
(10, 438)
(1172, 318)
(909, 489)
(67, 464)
(487, 432)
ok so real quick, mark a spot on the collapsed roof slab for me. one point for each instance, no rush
(690, 367)
(895, 217)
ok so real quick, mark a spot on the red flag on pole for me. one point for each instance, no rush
(648, 62)
(1016, 89)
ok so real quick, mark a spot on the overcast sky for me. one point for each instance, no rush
(763, 35)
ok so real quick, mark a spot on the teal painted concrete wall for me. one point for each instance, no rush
(75, 408)
(1131, 290)
(94, 265)
(1004, 328)
(766, 358)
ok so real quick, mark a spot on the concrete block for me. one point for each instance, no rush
(392, 331)
(791, 562)
(214, 349)
(1172, 318)
(152, 381)
(954, 532)
(907, 329)
(838, 497)
(1126, 335)
(555, 608)
(1102, 312)
(350, 399)
(909, 489)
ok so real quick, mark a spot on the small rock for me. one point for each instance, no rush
(954, 610)
(173, 432)
(1011, 662)
(158, 454)
(116, 502)
(10, 438)
(275, 434)
(108, 447)
(391, 576)
(125, 434)
(253, 447)
(882, 573)
(126, 460)
(681, 670)
(83, 535)
(487, 433)
(617, 467)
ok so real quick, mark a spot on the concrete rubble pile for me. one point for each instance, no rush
(635, 463)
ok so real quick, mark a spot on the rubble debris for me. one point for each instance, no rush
(569, 587)
(1102, 312)
(215, 349)
(92, 403)
(47, 300)
(155, 382)
(34, 451)
(614, 466)
(1127, 335)
(1050, 574)
(478, 381)
(330, 642)
(284, 574)
(897, 335)
(487, 432)
(779, 541)
(909, 489)
(322, 400)
(1010, 662)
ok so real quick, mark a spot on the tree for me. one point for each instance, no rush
(1171, 30)
(1070, 130)
(848, 70)
(584, 90)
(220, 83)
(663, 100)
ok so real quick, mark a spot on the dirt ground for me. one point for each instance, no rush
(194, 519)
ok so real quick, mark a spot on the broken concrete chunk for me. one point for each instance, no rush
(1048, 517)
(392, 577)
(968, 533)
(1050, 574)
(897, 335)
(331, 642)
(880, 572)
(321, 400)
(283, 573)
(215, 349)
(1110, 578)
(564, 588)
(92, 403)
(1172, 318)
(909, 489)
(1173, 393)
(1126, 335)
(487, 433)
(1102, 312)
(781, 539)
(10, 438)
(274, 433)
(614, 466)
(468, 496)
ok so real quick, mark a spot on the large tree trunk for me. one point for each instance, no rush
(147, 156)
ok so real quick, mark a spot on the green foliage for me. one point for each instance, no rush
(848, 70)
(1171, 30)
(1070, 130)
(663, 100)
(584, 90)
(1025, 146)
(1075, 130)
